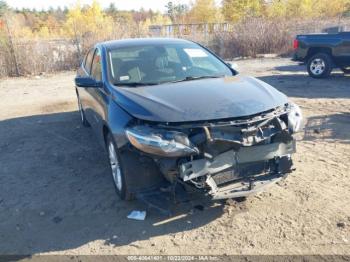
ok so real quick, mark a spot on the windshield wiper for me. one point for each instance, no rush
(134, 84)
(190, 78)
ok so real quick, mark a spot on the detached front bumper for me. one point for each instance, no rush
(245, 187)
(240, 173)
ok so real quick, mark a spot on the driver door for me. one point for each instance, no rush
(97, 97)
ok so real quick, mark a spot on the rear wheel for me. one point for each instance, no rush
(117, 170)
(320, 65)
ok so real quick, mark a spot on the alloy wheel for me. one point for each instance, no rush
(317, 66)
(115, 166)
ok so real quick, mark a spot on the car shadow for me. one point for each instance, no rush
(293, 81)
(334, 127)
(57, 193)
(291, 68)
(302, 86)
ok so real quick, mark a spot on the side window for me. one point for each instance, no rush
(96, 69)
(172, 55)
(88, 60)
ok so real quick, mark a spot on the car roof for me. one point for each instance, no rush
(142, 41)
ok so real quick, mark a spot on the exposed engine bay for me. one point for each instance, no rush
(225, 159)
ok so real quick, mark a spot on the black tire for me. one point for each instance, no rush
(83, 119)
(122, 190)
(320, 65)
(346, 70)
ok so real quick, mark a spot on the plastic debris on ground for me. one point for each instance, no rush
(137, 215)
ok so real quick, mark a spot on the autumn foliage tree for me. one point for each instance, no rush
(267, 23)
(204, 11)
(82, 22)
(176, 12)
(332, 8)
(236, 10)
(307, 8)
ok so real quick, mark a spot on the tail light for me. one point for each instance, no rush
(295, 44)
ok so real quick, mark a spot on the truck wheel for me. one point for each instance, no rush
(320, 65)
(117, 170)
(346, 70)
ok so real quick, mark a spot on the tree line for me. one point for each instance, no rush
(34, 41)
(58, 22)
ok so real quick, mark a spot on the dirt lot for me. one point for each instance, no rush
(56, 193)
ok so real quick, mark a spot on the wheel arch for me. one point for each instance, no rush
(316, 50)
(114, 123)
(141, 171)
(105, 132)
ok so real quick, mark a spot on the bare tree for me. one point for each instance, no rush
(6, 19)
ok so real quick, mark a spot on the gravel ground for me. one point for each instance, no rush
(57, 197)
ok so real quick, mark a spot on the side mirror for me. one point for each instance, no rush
(233, 66)
(87, 82)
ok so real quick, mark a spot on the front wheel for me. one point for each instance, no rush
(117, 170)
(320, 65)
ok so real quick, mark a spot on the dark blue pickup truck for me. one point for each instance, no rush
(323, 52)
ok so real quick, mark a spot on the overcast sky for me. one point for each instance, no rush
(120, 4)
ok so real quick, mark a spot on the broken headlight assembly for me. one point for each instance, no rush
(295, 118)
(160, 142)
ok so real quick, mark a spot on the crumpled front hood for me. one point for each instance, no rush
(199, 100)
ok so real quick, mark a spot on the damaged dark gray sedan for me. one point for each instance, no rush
(171, 113)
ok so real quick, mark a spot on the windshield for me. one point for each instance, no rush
(157, 64)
